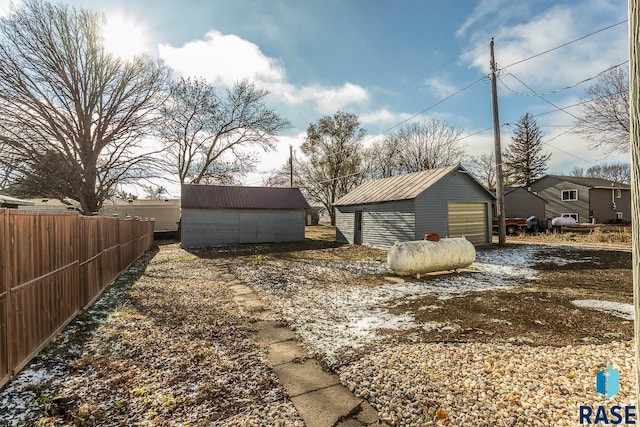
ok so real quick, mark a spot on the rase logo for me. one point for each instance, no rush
(608, 384)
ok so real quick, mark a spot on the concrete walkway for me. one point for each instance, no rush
(318, 395)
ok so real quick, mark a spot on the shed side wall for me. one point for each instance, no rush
(522, 204)
(382, 223)
(210, 227)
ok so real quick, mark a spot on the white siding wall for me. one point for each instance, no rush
(207, 227)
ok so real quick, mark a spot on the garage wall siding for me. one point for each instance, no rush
(382, 223)
(432, 204)
(209, 227)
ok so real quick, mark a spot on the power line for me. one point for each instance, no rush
(540, 95)
(566, 44)
(468, 86)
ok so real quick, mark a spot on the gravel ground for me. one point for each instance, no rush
(172, 350)
(346, 321)
(479, 384)
(166, 346)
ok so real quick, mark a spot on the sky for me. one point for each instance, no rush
(391, 61)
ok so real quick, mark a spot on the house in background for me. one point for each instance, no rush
(448, 201)
(215, 215)
(13, 203)
(586, 199)
(521, 203)
(166, 212)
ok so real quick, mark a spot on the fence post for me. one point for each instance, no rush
(6, 288)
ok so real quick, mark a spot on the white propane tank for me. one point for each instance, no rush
(423, 256)
(563, 220)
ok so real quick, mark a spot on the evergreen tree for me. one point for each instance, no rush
(523, 159)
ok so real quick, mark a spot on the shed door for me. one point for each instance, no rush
(357, 228)
(468, 219)
(255, 227)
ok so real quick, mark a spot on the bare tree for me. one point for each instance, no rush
(72, 114)
(155, 192)
(281, 177)
(483, 167)
(8, 166)
(334, 159)
(604, 119)
(618, 172)
(415, 147)
(577, 171)
(205, 133)
(428, 145)
(383, 158)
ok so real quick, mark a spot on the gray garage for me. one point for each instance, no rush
(215, 215)
(448, 201)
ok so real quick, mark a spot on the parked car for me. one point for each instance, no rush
(516, 225)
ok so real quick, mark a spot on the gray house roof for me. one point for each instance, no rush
(401, 187)
(589, 182)
(198, 196)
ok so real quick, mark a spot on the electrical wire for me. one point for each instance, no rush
(540, 95)
(565, 44)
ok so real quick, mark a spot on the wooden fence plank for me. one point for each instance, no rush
(52, 266)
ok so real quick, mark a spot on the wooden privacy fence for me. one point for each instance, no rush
(53, 266)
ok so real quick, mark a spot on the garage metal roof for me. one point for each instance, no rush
(199, 196)
(401, 187)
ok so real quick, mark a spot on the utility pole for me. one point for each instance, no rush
(502, 233)
(634, 132)
(290, 165)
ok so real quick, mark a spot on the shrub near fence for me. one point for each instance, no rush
(51, 267)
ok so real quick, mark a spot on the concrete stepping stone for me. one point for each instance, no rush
(301, 378)
(272, 332)
(286, 352)
(327, 406)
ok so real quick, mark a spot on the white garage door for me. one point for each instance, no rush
(468, 219)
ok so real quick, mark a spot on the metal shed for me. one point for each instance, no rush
(215, 215)
(448, 201)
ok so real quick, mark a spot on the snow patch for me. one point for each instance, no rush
(618, 309)
(319, 299)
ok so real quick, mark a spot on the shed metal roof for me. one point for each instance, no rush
(198, 196)
(401, 187)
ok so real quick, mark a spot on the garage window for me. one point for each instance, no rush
(569, 195)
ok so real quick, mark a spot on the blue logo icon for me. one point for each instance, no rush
(608, 382)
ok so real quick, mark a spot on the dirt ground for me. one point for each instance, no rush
(537, 313)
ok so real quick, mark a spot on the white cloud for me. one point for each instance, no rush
(439, 87)
(383, 116)
(566, 65)
(225, 59)
(222, 59)
(483, 9)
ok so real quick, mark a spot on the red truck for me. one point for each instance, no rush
(515, 225)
